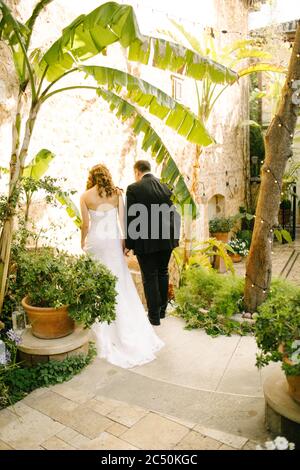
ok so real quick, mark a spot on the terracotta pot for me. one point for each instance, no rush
(218, 261)
(292, 380)
(236, 258)
(49, 323)
(294, 386)
(222, 236)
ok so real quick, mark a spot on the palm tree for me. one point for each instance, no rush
(39, 76)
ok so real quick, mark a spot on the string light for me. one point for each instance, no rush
(264, 289)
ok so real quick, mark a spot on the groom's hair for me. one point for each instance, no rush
(142, 166)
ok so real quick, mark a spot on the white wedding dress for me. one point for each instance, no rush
(130, 340)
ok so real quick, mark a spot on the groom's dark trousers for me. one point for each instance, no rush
(153, 226)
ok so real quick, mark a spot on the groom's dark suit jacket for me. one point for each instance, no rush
(158, 230)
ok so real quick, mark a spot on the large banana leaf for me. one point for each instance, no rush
(262, 67)
(158, 103)
(39, 164)
(91, 34)
(71, 208)
(36, 170)
(170, 172)
(14, 33)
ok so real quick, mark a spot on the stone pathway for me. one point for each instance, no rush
(200, 393)
(79, 415)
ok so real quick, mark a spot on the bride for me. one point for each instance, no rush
(130, 340)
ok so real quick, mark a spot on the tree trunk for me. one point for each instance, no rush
(16, 170)
(278, 143)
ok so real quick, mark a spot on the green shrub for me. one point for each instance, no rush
(257, 145)
(222, 224)
(277, 323)
(208, 300)
(52, 279)
(18, 381)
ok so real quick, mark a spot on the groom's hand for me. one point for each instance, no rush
(126, 251)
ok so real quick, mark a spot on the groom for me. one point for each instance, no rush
(152, 231)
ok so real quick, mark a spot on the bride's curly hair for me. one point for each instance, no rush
(100, 176)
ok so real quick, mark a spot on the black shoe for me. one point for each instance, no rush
(162, 315)
(154, 322)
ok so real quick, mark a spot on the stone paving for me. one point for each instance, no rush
(48, 420)
(200, 393)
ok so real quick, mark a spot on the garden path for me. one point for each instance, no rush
(200, 393)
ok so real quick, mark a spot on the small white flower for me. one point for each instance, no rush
(291, 446)
(269, 445)
(259, 448)
(281, 443)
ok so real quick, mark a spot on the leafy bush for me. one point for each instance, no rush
(53, 279)
(222, 224)
(257, 145)
(245, 236)
(17, 382)
(208, 300)
(239, 246)
(278, 323)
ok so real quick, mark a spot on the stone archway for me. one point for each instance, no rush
(216, 206)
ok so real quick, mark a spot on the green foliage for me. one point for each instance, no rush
(157, 102)
(257, 145)
(291, 369)
(208, 300)
(245, 236)
(91, 34)
(239, 246)
(278, 322)
(170, 173)
(222, 224)
(202, 254)
(53, 279)
(17, 382)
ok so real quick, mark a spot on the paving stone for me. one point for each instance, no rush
(230, 439)
(53, 405)
(196, 441)
(184, 422)
(27, 429)
(250, 445)
(107, 403)
(155, 432)
(101, 407)
(4, 446)
(72, 437)
(226, 447)
(117, 429)
(76, 392)
(86, 422)
(127, 415)
(107, 441)
(54, 443)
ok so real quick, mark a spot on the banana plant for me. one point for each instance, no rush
(39, 75)
(209, 91)
(202, 254)
(32, 181)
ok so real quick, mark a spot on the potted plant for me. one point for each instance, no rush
(61, 289)
(240, 249)
(277, 332)
(220, 227)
